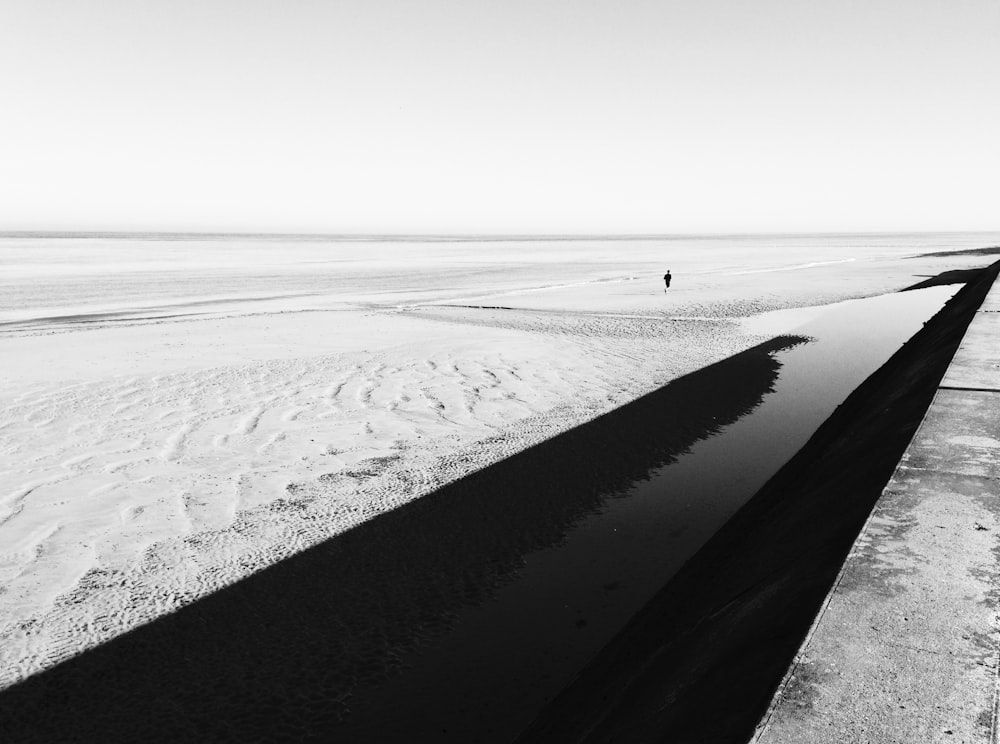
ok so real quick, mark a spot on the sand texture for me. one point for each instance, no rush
(177, 415)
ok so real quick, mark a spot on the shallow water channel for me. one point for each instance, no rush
(503, 658)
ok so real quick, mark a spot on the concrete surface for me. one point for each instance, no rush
(905, 649)
(992, 303)
(977, 361)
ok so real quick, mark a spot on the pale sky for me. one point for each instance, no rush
(503, 116)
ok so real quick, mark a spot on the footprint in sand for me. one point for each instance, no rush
(174, 446)
(293, 413)
(249, 423)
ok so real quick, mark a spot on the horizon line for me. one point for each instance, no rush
(455, 237)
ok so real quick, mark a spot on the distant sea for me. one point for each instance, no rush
(52, 274)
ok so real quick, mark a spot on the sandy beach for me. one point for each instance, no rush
(177, 415)
(368, 369)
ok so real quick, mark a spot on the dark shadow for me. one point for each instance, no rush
(988, 251)
(279, 655)
(956, 276)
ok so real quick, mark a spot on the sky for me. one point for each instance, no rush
(500, 117)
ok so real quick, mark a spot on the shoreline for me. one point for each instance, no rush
(450, 237)
(701, 660)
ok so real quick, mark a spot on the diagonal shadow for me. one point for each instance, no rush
(278, 656)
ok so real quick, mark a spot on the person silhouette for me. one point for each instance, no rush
(666, 280)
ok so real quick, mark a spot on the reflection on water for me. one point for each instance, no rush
(455, 616)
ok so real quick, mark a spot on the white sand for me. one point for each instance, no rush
(176, 415)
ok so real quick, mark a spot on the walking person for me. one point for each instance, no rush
(666, 281)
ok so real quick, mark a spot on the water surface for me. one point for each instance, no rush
(506, 656)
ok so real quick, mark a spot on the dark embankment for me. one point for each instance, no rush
(291, 652)
(992, 250)
(700, 662)
(956, 276)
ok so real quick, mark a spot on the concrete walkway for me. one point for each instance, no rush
(905, 647)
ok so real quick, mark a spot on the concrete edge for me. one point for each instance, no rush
(990, 306)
